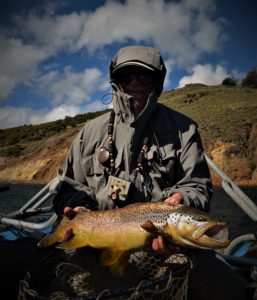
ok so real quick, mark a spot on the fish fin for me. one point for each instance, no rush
(149, 226)
(110, 256)
(55, 236)
(64, 237)
(49, 240)
(118, 268)
(117, 261)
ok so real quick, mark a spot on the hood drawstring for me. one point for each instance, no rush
(159, 154)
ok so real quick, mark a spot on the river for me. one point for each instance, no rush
(221, 205)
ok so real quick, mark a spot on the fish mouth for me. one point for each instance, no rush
(213, 235)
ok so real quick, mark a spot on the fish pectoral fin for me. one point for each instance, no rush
(110, 256)
(119, 267)
(150, 227)
(117, 260)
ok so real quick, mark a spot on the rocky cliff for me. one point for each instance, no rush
(40, 165)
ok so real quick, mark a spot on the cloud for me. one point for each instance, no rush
(11, 116)
(183, 30)
(71, 87)
(169, 63)
(32, 45)
(52, 32)
(18, 62)
(206, 74)
(60, 112)
(32, 40)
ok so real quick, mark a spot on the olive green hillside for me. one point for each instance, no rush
(226, 116)
(227, 120)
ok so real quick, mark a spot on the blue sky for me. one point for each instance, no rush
(54, 55)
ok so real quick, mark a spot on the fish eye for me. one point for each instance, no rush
(201, 218)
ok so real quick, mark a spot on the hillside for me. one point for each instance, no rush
(227, 119)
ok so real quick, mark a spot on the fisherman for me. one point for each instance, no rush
(143, 151)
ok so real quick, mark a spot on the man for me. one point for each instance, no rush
(141, 151)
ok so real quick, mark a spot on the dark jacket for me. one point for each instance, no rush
(174, 161)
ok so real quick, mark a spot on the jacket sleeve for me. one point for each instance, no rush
(193, 178)
(73, 189)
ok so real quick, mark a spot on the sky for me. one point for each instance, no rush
(54, 54)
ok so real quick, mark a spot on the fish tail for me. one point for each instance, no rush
(49, 240)
(56, 236)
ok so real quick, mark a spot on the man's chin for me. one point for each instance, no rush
(139, 98)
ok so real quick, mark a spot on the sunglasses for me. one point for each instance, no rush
(144, 77)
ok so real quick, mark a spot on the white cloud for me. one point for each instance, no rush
(18, 62)
(11, 116)
(95, 106)
(169, 63)
(183, 30)
(56, 113)
(31, 41)
(52, 32)
(70, 94)
(206, 74)
(71, 87)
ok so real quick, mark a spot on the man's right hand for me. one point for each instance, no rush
(70, 213)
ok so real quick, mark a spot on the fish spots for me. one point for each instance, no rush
(173, 218)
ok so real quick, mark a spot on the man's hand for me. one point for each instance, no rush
(174, 199)
(71, 213)
(158, 244)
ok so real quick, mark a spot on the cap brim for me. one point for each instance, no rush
(133, 63)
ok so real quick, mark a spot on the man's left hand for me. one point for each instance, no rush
(158, 244)
(174, 199)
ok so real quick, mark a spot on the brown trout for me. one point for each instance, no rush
(119, 230)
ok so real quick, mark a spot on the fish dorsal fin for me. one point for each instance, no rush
(149, 226)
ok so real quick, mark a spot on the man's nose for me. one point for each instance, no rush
(135, 81)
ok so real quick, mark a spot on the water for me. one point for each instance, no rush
(222, 205)
(17, 196)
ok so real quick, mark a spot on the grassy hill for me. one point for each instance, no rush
(221, 112)
(227, 119)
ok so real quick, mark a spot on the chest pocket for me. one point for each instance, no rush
(95, 172)
(97, 178)
(161, 164)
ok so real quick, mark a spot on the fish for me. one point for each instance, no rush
(118, 231)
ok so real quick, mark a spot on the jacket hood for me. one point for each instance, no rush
(145, 57)
(123, 106)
